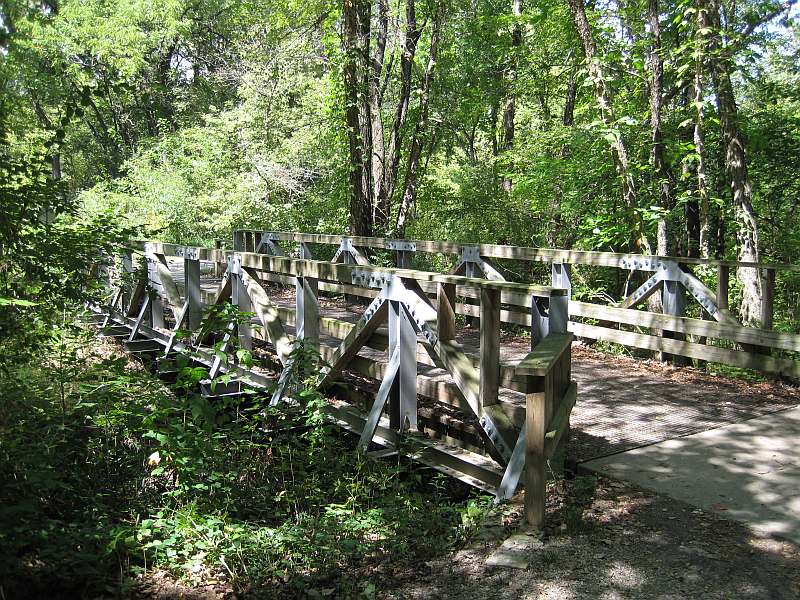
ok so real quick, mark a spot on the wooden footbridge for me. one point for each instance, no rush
(457, 400)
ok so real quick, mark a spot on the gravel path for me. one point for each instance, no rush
(609, 540)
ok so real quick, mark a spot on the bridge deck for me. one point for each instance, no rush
(624, 403)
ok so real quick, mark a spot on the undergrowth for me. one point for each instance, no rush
(109, 475)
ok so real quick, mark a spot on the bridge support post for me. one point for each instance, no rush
(490, 346)
(403, 393)
(673, 302)
(446, 311)
(561, 276)
(307, 311)
(156, 304)
(723, 283)
(535, 429)
(240, 299)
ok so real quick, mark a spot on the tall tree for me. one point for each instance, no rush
(509, 111)
(421, 130)
(661, 170)
(721, 64)
(355, 17)
(604, 99)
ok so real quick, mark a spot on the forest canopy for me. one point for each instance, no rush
(655, 127)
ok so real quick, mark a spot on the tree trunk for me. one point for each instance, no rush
(388, 183)
(509, 112)
(736, 168)
(661, 170)
(360, 196)
(619, 148)
(421, 129)
(698, 137)
(380, 214)
(567, 120)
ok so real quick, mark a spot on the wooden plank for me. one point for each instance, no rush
(374, 317)
(745, 360)
(344, 273)
(559, 423)
(267, 314)
(540, 361)
(535, 477)
(686, 325)
(451, 356)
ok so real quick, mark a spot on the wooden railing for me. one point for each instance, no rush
(717, 337)
(490, 447)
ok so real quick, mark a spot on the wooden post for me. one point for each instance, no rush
(402, 259)
(471, 270)
(191, 286)
(536, 401)
(723, 281)
(490, 346)
(238, 240)
(446, 314)
(768, 299)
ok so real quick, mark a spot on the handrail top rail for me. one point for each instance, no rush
(340, 272)
(621, 260)
(539, 361)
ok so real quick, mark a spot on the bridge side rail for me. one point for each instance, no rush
(400, 302)
(670, 333)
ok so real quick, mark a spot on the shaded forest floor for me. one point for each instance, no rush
(605, 539)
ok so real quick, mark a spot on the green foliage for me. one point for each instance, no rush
(109, 473)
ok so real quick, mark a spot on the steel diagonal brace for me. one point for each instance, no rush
(420, 311)
(178, 324)
(272, 247)
(472, 254)
(346, 248)
(644, 291)
(216, 365)
(380, 402)
(112, 306)
(513, 472)
(449, 356)
(140, 318)
(375, 315)
(283, 383)
(706, 298)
